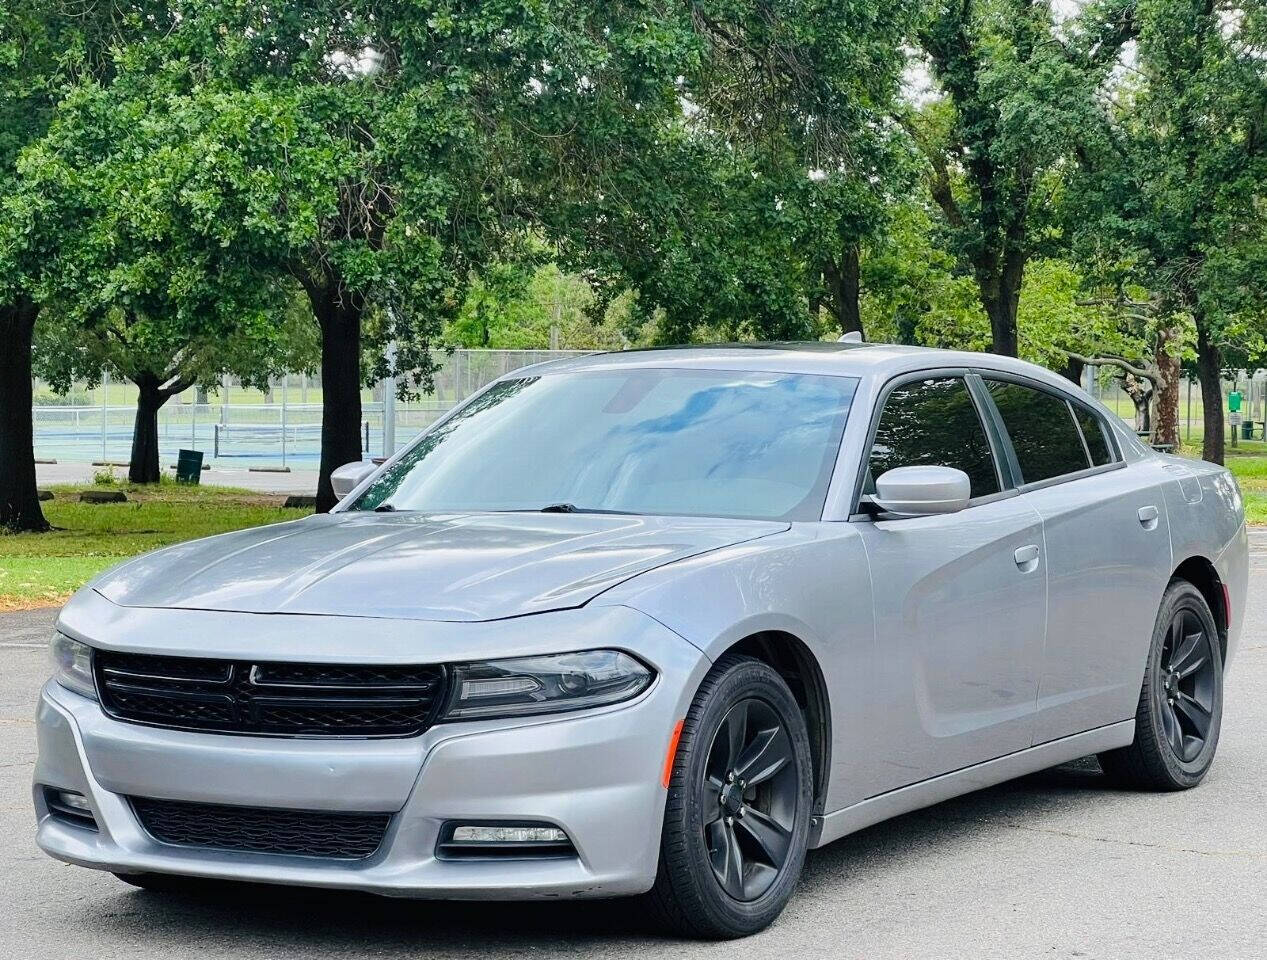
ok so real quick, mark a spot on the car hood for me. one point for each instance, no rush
(417, 566)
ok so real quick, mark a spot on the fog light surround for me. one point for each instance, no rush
(492, 840)
(70, 806)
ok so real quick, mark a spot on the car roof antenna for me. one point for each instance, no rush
(853, 336)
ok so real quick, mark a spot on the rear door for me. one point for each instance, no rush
(959, 599)
(1107, 547)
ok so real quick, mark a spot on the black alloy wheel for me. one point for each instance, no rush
(737, 814)
(751, 789)
(1180, 708)
(1185, 695)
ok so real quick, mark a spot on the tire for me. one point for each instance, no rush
(1180, 708)
(698, 890)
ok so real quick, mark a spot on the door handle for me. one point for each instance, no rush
(1027, 557)
(1148, 517)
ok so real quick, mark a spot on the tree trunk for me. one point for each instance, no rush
(19, 498)
(1073, 370)
(1209, 369)
(1140, 392)
(1001, 295)
(845, 286)
(1166, 394)
(143, 465)
(338, 312)
(1002, 314)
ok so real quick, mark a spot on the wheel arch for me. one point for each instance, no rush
(1202, 574)
(796, 664)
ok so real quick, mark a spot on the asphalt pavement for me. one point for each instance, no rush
(1058, 864)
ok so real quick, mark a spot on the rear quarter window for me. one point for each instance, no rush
(1047, 442)
(1093, 433)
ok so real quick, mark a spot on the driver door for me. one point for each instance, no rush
(959, 598)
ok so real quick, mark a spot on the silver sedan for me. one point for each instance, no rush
(652, 623)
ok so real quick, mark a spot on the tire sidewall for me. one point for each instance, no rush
(741, 679)
(1179, 597)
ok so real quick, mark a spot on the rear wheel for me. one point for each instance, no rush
(1181, 703)
(737, 816)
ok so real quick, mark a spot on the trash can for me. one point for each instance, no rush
(1247, 429)
(189, 466)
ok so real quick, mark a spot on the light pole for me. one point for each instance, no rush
(389, 403)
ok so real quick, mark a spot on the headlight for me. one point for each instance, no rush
(551, 684)
(72, 665)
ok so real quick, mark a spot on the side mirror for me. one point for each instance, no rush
(922, 491)
(344, 479)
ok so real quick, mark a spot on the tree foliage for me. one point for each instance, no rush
(1172, 176)
(45, 46)
(128, 287)
(1014, 90)
(512, 306)
(738, 207)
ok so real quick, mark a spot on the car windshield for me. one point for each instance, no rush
(646, 441)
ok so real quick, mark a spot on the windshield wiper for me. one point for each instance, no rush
(573, 508)
(385, 508)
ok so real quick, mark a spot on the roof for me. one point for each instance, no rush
(837, 359)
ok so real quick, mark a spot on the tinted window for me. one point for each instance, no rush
(1043, 433)
(1093, 433)
(934, 422)
(647, 441)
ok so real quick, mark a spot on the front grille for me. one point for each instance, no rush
(306, 833)
(272, 699)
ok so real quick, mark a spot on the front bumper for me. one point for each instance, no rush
(596, 774)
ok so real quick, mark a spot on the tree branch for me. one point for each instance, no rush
(1120, 362)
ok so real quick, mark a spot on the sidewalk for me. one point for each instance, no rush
(299, 481)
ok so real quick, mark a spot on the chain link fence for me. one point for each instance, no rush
(273, 429)
(1251, 385)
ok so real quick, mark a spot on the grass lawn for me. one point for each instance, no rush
(43, 569)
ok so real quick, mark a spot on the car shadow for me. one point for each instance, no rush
(934, 831)
(273, 921)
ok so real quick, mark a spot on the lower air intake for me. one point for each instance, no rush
(305, 833)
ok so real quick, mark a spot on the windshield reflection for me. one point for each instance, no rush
(647, 441)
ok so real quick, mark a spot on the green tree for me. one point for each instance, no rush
(512, 306)
(1014, 90)
(913, 289)
(1173, 175)
(131, 289)
(44, 46)
(806, 87)
(739, 207)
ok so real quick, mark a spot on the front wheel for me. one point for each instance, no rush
(736, 820)
(1181, 702)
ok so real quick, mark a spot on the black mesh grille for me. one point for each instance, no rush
(262, 829)
(277, 699)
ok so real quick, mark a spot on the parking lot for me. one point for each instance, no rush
(1055, 865)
